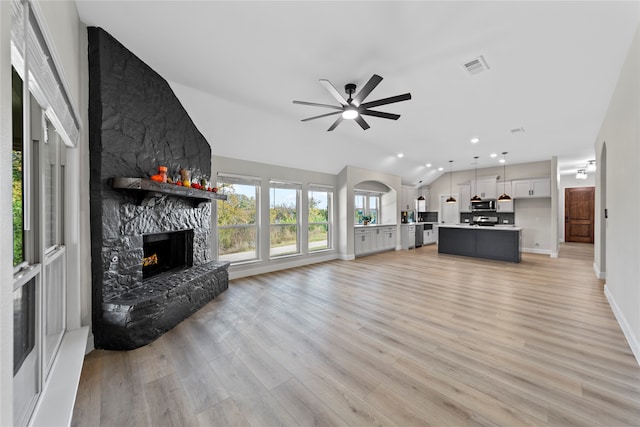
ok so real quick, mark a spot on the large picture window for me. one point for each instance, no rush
(319, 218)
(284, 201)
(238, 218)
(367, 206)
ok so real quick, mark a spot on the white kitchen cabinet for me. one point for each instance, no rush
(423, 205)
(464, 197)
(408, 198)
(363, 241)
(504, 206)
(370, 239)
(384, 238)
(408, 236)
(430, 236)
(503, 187)
(485, 188)
(531, 188)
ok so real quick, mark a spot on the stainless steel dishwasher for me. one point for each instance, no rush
(419, 235)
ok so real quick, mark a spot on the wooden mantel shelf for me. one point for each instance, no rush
(142, 184)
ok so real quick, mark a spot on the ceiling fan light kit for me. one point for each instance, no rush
(353, 108)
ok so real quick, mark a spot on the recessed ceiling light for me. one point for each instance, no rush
(440, 169)
(428, 165)
(493, 155)
(475, 140)
(400, 155)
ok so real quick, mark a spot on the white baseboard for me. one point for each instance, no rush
(537, 251)
(90, 342)
(553, 255)
(275, 265)
(599, 274)
(624, 325)
(55, 406)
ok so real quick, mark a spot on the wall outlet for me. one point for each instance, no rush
(505, 221)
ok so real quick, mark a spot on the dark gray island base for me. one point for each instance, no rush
(499, 242)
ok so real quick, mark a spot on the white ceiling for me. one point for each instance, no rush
(236, 67)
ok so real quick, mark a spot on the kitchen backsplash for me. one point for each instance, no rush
(427, 216)
(510, 218)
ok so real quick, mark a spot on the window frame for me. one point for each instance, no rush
(315, 188)
(275, 184)
(368, 196)
(226, 180)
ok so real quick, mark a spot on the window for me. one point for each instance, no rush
(367, 204)
(319, 218)
(238, 218)
(39, 254)
(283, 218)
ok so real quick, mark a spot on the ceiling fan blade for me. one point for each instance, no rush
(384, 101)
(366, 90)
(322, 115)
(335, 124)
(315, 104)
(364, 125)
(333, 91)
(380, 114)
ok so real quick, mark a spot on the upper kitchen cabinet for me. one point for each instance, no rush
(464, 197)
(408, 198)
(506, 206)
(423, 205)
(531, 188)
(485, 188)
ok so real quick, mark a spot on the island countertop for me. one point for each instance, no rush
(503, 227)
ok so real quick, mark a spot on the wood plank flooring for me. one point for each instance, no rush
(407, 338)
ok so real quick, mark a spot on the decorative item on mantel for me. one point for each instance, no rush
(144, 186)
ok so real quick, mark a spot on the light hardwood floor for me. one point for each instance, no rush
(396, 339)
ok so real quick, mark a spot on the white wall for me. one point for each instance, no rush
(620, 131)
(534, 216)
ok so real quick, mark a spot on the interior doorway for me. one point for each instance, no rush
(579, 214)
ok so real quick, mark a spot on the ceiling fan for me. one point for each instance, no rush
(354, 108)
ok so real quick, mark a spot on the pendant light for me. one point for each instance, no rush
(451, 199)
(504, 197)
(476, 198)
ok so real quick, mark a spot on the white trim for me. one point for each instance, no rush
(624, 325)
(599, 274)
(539, 251)
(274, 265)
(44, 79)
(55, 406)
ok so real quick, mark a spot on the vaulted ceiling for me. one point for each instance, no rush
(238, 65)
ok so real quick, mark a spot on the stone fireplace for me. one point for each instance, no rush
(151, 251)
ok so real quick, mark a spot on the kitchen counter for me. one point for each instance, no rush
(507, 227)
(500, 242)
(374, 225)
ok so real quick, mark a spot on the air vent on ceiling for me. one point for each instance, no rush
(476, 66)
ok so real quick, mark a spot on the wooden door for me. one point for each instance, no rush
(578, 214)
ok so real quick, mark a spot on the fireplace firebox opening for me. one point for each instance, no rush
(166, 251)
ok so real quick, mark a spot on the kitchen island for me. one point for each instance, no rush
(500, 242)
